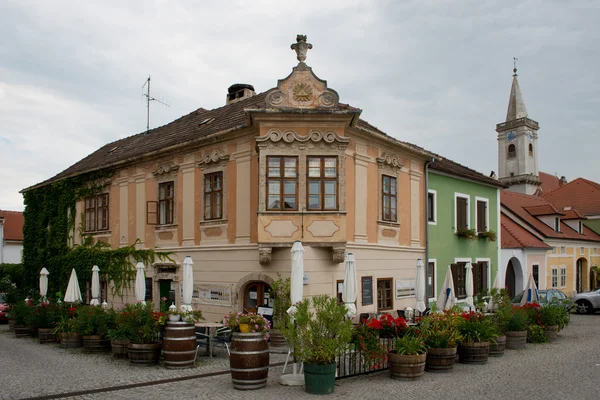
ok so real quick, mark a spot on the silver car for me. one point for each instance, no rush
(588, 302)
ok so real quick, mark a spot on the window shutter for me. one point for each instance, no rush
(481, 216)
(152, 212)
(461, 213)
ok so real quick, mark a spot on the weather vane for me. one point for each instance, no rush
(515, 59)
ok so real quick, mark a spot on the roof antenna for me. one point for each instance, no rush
(148, 100)
(515, 59)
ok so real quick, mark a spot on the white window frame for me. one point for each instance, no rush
(553, 250)
(557, 224)
(563, 276)
(582, 250)
(488, 261)
(487, 213)
(435, 277)
(539, 273)
(434, 192)
(554, 278)
(468, 198)
(563, 250)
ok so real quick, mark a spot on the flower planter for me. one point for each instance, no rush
(441, 359)
(516, 340)
(245, 328)
(551, 332)
(474, 352)
(70, 340)
(497, 349)
(143, 353)
(95, 344)
(277, 339)
(407, 368)
(179, 345)
(249, 361)
(119, 348)
(174, 317)
(319, 378)
(46, 335)
(22, 331)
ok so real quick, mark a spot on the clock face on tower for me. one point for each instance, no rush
(511, 136)
(530, 136)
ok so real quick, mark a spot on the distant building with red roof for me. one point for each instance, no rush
(11, 236)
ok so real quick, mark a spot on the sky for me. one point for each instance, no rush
(433, 73)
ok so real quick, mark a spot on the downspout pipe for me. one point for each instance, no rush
(427, 229)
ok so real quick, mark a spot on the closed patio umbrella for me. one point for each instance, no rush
(188, 284)
(297, 277)
(469, 286)
(350, 286)
(420, 287)
(447, 297)
(95, 286)
(140, 283)
(44, 283)
(531, 292)
(496, 285)
(73, 293)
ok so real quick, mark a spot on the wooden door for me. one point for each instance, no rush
(510, 279)
(256, 295)
(579, 287)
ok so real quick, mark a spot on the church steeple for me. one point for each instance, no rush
(516, 104)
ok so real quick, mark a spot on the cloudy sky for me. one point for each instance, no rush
(434, 73)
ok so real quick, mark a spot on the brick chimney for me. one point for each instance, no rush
(239, 91)
(562, 181)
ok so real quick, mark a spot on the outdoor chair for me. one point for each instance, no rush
(222, 338)
(400, 313)
(362, 316)
(202, 340)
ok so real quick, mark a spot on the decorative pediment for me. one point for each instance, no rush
(213, 157)
(290, 136)
(389, 159)
(165, 168)
(302, 88)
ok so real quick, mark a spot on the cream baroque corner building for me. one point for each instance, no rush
(234, 187)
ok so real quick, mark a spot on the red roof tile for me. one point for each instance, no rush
(549, 182)
(580, 194)
(543, 209)
(572, 214)
(515, 236)
(13, 224)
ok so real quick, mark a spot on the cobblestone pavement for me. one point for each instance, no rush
(566, 369)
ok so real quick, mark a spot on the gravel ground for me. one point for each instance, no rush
(566, 369)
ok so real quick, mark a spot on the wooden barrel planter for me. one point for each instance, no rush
(497, 349)
(119, 348)
(46, 335)
(179, 345)
(95, 344)
(516, 340)
(143, 353)
(277, 339)
(551, 332)
(474, 352)
(22, 331)
(70, 340)
(407, 368)
(249, 361)
(440, 360)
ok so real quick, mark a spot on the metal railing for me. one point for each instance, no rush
(353, 362)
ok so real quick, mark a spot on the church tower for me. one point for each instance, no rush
(517, 145)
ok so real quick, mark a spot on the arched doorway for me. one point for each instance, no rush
(256, 294)
(582, 282)
(514, 277)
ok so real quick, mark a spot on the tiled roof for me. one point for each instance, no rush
(13, 224)
(549, 182)
(581, 194)
(542, 209)
(453, 168)
(572, 214)
(518, 203)
(515, 236)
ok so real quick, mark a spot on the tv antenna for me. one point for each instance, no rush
(148, 100)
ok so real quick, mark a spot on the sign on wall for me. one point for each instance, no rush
(405, 288)
(214, 294)
(367, 290)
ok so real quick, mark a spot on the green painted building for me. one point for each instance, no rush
(463, 213)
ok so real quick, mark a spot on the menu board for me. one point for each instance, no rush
(367, 290)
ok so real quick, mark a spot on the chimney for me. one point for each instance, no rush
(239, 91)
(562, 181)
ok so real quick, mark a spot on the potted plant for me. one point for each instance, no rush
(45, 317)
(143, 326)
(477, 331)
(281, 302)
(489, 235)
(553, 316)
(249, 356)
(441, 338)
(91, 322)
(22, 313)
(407, 357)
(517, 319)
(469, 234)
(502, 306)
(319, 334)
(118, 334)
(65, 327)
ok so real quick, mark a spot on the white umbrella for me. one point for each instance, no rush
(188, 284)
(420, 287)
(447, 297)
(469, 286)
(496, 285)
(44, 283)
(95, 286)
(73, 293)
(350, 287)
(297, 278)
(531, 292)
(140, 283)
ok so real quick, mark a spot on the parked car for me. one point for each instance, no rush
(547, 296)
(587, 302)
(3, 309)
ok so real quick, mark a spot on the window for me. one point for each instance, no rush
(530, 149)
(595, 250)
(563, 250)
(165, 203)
(554, 277)
(340, 289)
(553, 250)
(322, 183)
(384, 294)
(282, 184)
(512, 150)
(581, 250)
(148, 295)
(563, 276)
(482, 221)
(535, 271)
(581, 229)
(88, 292)
(431, 279)
(462, 212)
(557, 224)
(459, 275)
(96, 213)
(480, 277)
(431, 206)
(213, 196)
(389, 199)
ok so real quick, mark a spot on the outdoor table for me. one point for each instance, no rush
(212, 328)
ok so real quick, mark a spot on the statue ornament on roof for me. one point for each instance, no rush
(301, 47)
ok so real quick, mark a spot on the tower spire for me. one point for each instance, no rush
(516, 104)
